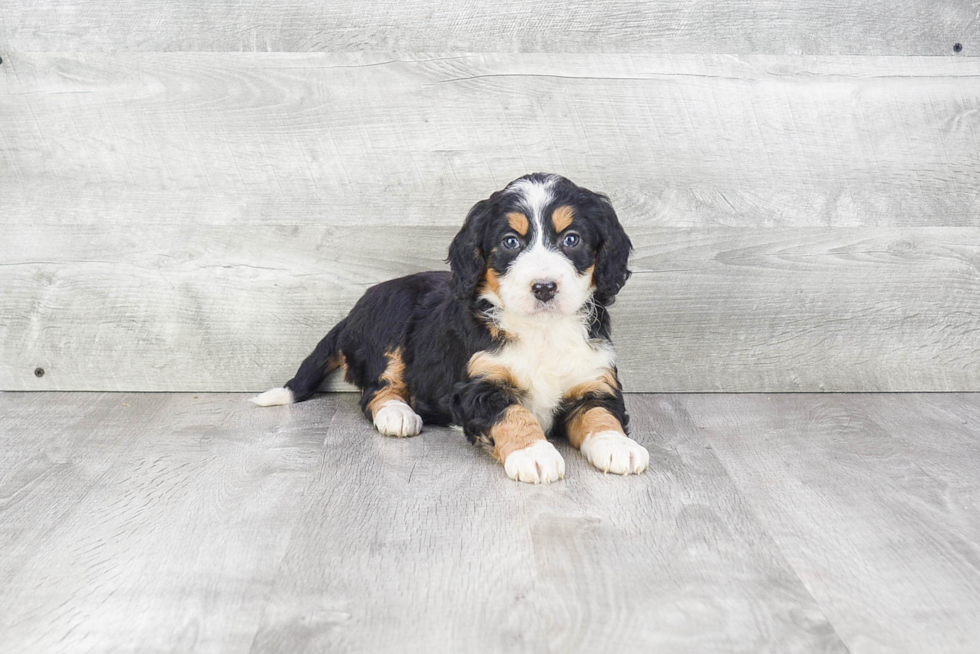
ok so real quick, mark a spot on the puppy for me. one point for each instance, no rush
(512, 345)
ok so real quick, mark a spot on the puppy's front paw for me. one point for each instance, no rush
(611, 451)
(539, 463)
(395, 418)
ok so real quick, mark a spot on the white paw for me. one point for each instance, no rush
(539, 463)
(611, 451)
(395, 418)
(274, 397)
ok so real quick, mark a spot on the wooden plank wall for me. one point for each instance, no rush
(190, 196)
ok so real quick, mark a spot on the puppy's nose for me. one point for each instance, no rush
(544, 290)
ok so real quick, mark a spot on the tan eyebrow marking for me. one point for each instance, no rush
(518, 222)
(562, 217)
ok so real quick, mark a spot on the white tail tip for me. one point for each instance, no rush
(274, 397)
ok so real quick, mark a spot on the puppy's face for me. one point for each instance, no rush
(541, 246)
(542, 251)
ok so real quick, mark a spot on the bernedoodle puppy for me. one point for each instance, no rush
(512, 345)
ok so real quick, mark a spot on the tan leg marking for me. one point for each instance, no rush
(606, 384)
(483, 366)
(593, 421)
(346, 369)
(562, 217)
(517, 429)
(394, 376)
(337, 362)
(518, 222)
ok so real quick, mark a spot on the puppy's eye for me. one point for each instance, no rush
(511, 242)
(570, 240)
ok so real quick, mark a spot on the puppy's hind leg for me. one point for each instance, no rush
(395, 418)
(386, 403)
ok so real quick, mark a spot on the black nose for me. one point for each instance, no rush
(544, 291)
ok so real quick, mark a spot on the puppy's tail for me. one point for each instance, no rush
(324, 359)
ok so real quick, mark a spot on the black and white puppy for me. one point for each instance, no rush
(512, 345)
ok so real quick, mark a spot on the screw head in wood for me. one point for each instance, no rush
(39, 372)
(957, 47)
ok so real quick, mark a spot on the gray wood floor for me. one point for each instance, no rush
(156, 522)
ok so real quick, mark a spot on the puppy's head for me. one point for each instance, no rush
(541, 246)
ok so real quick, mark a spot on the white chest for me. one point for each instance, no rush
(547, 358)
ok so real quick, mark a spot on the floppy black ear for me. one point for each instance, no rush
(466, 258)
(612, 257)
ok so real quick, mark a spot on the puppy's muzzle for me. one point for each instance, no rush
(544, 290)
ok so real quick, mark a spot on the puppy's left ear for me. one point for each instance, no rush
(612, 257)
(466, 258)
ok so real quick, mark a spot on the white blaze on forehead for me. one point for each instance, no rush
(539, 261)
(535, 196)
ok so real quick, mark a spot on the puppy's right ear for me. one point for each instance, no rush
(466, 257)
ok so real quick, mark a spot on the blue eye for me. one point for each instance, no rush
(511, 243)
(570, 240)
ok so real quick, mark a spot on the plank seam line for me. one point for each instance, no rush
(669, 76)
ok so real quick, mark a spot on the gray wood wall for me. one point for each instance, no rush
(191, 195)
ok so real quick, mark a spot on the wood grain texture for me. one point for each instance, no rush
(57, 448)
(144, 522)
(218, 308)
(873, 499)
(766, 523)
(245, 138)
(427, 539)
(901, 27)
